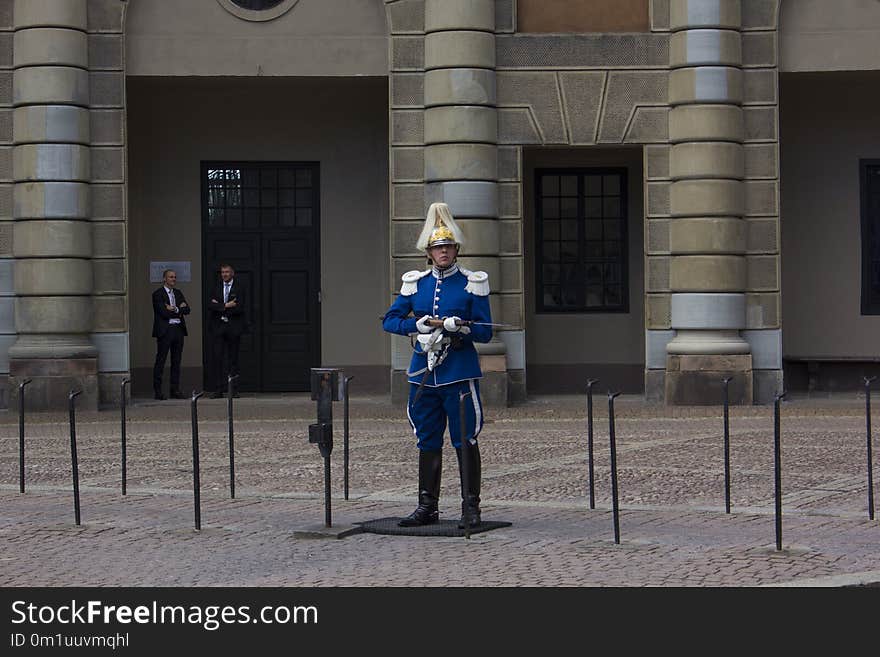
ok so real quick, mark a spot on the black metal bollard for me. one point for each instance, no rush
(726, 382)
(614, 503)
(122, 431)
(229, 390)
(592, 486)
(345, 383)
(197, 497)
(777, 469)
(869, 450)
(21, 434)
(73, 456)
(325, 390)
(465, 456)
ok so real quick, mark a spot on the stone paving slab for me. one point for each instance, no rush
(148, 540)
(535, 475)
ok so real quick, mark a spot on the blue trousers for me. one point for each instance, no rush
(429, 415)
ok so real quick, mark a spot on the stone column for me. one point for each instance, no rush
(7, 293)
(707, 234)
(52, 242)
(461, 146)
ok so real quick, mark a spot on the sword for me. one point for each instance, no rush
(468, 322)
(464, 322)
(421, 386)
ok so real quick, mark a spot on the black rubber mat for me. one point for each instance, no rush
(390, 527)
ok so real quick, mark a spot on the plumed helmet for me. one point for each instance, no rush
(440, 228)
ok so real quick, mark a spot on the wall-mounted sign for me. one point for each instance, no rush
(183, 269)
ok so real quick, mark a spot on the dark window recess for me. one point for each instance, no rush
(259, 196)
(257, 5)
(581, 240)
(870, 192)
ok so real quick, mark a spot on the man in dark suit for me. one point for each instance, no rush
(169, 328)
(226, 324)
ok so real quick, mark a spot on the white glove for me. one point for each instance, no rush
(422, 324)
(430, 341)
(452, 327)
(431, 345)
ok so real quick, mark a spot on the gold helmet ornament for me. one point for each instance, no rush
(440, 228)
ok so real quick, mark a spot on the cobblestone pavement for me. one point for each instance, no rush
(674, 529)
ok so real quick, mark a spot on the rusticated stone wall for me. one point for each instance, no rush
(7, 294)
(64, 140)
(451, 155)
(760, 20)
(406, 84)
(548, 90)
(600, 89)
(109, 209)
(52, 241)
(760, 202)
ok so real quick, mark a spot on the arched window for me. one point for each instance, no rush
(257, 10)
(257, 5)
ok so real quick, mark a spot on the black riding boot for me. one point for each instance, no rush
(430, 466)
(470, 498)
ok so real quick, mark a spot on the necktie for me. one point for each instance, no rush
(172, 302)
(226, 292)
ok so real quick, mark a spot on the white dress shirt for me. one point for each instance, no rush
(171, 302)
(227, 286)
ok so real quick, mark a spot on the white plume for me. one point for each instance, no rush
(436, 213)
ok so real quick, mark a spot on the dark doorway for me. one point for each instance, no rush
(263, 219)
(870, 188)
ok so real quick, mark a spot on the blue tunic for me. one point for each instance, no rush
(442, 294)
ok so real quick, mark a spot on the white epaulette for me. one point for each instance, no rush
(478, 282)
(411, 281)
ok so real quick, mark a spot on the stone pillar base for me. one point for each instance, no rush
(493, 389)
(494, 384)
(768, 383)
(697, 380)
(516, 387)
(399, 388)
(51, 382)
(110, 388)
(655, 386)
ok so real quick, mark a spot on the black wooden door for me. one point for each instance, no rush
(262, 218)
(242, 251)
(870, 184)
(289, 310)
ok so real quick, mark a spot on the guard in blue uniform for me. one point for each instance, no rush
(444, 310)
